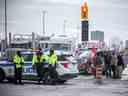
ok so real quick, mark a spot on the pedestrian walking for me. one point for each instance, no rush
(125, 59)
(107, 60)
(120, 66)
(19, 63)
(114, 61)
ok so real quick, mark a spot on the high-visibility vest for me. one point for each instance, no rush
(45, 57)
(53, 59)
(35, 59)
(18, 61)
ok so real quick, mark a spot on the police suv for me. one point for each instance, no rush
(66, 69)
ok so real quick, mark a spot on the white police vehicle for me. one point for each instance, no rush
(65, 68)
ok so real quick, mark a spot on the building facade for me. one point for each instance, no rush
(126, 43)
(97, 35)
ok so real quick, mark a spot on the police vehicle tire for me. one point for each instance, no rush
(62, 81)
(2, 75)
(10, 80)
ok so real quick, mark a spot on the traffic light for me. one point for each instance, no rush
(84, 12)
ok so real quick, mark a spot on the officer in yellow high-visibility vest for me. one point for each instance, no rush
(19, 62)
(37, 62)
(53, 64)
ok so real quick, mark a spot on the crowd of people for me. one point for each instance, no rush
(113, 64)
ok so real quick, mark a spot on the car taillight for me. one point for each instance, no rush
(65, 65)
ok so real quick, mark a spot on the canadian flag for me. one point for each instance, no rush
(93, 51)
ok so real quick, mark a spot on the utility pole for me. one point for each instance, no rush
(44, 14)
(64, 27)
(33, 41)
(6, 37)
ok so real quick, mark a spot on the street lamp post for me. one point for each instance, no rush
(44, 14)
(64, 27)
(6, 38)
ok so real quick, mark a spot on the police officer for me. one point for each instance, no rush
(38, 62)
(45, 68)
(52, 65)
(19, 62)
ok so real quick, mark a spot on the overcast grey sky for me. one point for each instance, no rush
(24, 16)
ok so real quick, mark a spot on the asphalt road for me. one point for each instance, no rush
(80, 86)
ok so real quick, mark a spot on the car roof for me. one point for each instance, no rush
(28, 52)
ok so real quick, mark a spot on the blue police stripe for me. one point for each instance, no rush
(25, 64)
(6, 65)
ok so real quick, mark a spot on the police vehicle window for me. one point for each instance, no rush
(28, 57)
(3, 58)
(46, 46)
(29, 45)
(61, 57)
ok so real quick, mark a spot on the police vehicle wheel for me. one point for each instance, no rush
(62, 81)
(10, 80)
(2, 75)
